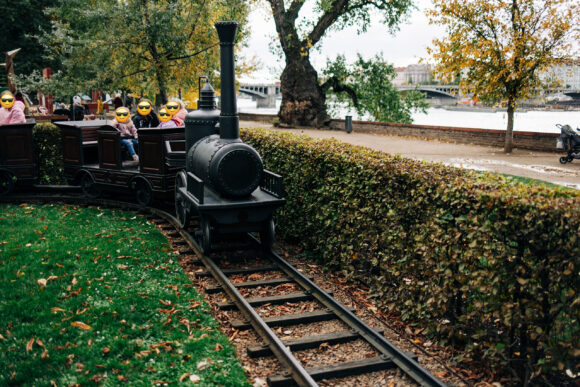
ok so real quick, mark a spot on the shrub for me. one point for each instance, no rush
(48, 150)
(487, 264)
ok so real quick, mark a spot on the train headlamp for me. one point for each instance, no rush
(7, 100)
(122, 114)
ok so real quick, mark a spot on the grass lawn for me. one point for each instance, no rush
(93, 296)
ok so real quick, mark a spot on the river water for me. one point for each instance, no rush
(529, 121)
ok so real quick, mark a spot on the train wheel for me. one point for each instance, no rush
(143, 192)
(205, 237)
(89, 187)
(267, 234)
(563, 159)
(182, 210)
(6, 182)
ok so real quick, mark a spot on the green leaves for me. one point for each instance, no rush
(369, 86)
(486, 263)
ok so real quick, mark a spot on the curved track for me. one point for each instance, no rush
(387, 356)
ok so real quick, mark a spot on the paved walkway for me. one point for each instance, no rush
(532, 164)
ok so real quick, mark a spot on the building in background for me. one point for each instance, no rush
(413, 75)
(565, 75)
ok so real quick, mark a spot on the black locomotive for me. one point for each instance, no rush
(224, 183)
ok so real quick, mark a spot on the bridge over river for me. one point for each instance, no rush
(266, 94)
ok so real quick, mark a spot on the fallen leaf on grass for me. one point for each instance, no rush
(81, 325)
(194, 379)
(218, 347)
(123, 267)
(44, 355)
(194, 305)
(165, 302)
(42, 282)
(29, 345)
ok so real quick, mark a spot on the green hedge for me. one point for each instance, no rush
(488, 265)
(48, 150)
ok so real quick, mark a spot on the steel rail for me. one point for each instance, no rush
(294, 367)
(381, 344)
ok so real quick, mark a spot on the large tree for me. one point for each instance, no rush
(499, 47)
(151, 47)
(303, 99)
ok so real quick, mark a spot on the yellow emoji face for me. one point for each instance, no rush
(164, 115)
(122, 114)
(144, 108)
(172, 107)
(7, 100)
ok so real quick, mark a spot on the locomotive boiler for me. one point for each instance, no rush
(224, 183)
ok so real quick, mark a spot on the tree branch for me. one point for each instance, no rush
(339, 87)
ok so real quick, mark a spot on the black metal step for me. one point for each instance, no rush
(291, 319)
(340, 370)
(257, 301)
(308, 342)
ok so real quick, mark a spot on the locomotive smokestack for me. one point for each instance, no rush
(229, 120)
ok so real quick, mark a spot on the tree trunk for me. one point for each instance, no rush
(303, 101)
(509, 133)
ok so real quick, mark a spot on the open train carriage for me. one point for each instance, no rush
(101, 164)
(17, 162)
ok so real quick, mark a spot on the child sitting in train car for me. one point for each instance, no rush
(12, 111)
(145, 116)
(166, 119)
(177, 109)
(127, 130)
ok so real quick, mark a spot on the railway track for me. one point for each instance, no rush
(230, 260)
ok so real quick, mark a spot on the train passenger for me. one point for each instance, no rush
(166, 119)
(12, 111)
(145, 116)
(177, 109)
(77, 111)
(127, 130)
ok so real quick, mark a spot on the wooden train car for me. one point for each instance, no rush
(93, 157)
(17, 162)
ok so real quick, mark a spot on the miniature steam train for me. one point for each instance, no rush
(224, 183)
(210, 173)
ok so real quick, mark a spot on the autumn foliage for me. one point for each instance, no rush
(487, 264)
(498, 48)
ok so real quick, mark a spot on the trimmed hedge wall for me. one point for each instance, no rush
(488, 265)
(48, 150)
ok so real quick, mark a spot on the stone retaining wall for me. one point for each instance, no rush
(545, 142)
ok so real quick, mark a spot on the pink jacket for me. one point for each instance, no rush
(14, 115)
(179, 117)
(169, 124)
(127, 129)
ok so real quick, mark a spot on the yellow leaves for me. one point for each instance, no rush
(81, 325)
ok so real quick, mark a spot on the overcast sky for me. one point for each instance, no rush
(406, 47)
